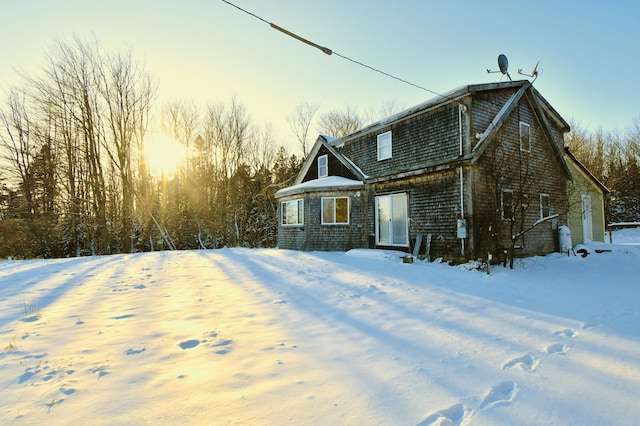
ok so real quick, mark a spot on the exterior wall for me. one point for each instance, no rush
(485, 106)
(582, 186)
(416, 141)
(427, 145)
(434, 207)
(313, 235)
(528, 174)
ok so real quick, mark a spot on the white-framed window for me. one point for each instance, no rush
(525, 137)
(335, 210)
(293, 212)
(384, 145)
(545, 206)
(506, 203)
(323, 166)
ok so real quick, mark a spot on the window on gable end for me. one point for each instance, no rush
(323, 166)
(507, 204)
(384, 145)
(525, 137)
(545, 206)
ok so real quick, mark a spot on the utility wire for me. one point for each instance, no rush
(328, 51)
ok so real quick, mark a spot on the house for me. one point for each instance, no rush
(586, 203)
(479, 171)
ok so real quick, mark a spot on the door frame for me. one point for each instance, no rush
(587, 218)
(390, 197)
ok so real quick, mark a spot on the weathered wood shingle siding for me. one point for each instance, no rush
(505, 166)
(293, 237)
(434, 207)
(314, 236)
(485, 106)
(418, 140)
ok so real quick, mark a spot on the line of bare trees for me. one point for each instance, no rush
(75, 179)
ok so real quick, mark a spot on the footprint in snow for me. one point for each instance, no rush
(224, 346)
(101, 371)
(525, 363)
(452, 416)
(458, 414)
(557, 349)
(502, 393)
(566, 333)
(189, 344)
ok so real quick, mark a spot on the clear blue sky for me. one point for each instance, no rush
(208, 51)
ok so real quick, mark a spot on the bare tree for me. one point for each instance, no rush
(127, 92)
(18, 148)
(386, 109)
(181, 121)
(300, 122)
(337, 123)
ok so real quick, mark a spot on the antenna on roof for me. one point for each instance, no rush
(534, 72)
(503, 64)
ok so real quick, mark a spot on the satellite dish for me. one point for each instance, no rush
(503, 63)
(535, 69)
(534, 72)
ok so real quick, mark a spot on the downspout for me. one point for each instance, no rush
(461, 109)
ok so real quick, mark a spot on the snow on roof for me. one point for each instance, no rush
(326, 183)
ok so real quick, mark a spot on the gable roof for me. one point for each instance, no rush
(540, 106)
(585, 172)
(326, 142)
(449, 97)
(525, 90)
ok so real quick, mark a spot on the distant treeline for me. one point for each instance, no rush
(613, 158)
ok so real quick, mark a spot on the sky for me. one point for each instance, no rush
(207, 51)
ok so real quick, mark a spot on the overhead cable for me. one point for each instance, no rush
(328, 51)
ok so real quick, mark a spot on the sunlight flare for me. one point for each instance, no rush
(164, 154)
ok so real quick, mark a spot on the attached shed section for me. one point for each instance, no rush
(586, 203)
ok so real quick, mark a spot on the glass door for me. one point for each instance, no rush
(392, 223)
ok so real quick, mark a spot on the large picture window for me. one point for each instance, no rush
(384, 146)
(335, 210)
(507, 204)
(293, 212)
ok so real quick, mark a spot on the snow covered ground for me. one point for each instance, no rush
(238, 336)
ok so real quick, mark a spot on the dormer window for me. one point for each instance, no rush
(525, 137)
(384, 145)
(323, 166)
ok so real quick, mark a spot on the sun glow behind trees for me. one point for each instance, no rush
(164, 155)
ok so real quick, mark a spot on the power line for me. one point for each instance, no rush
(328, 51)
